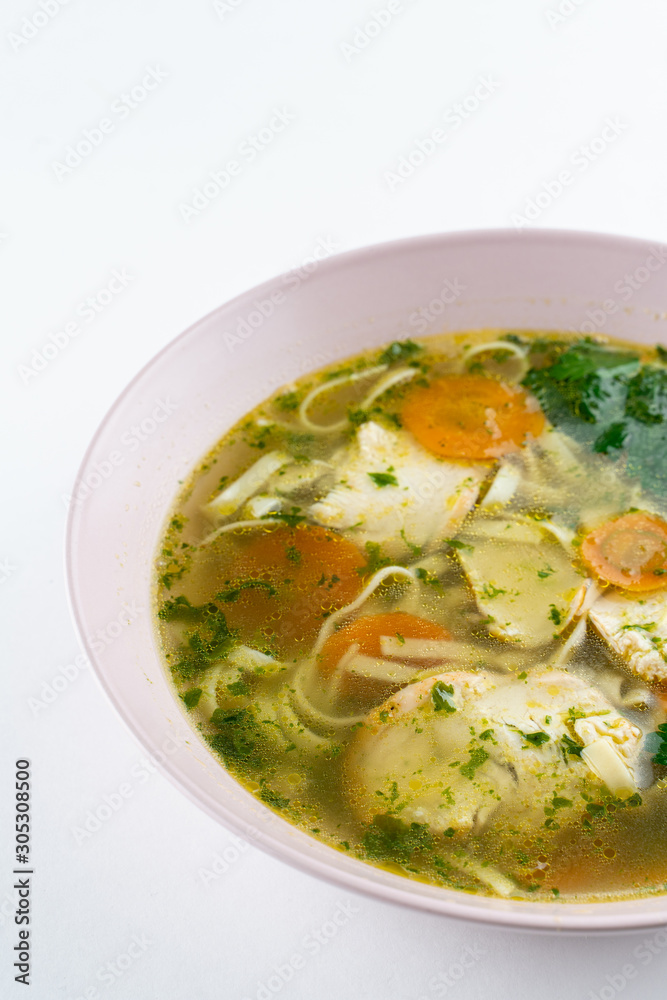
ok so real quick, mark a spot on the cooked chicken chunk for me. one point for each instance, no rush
(636, 629)
(394, 492)
(459, 750)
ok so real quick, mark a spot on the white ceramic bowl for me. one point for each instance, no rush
(220, 368)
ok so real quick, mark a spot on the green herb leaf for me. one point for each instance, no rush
(383, 479)
(292, 519)
(570, 747)
(233, 593)
(375, 560)
(441, 695)
(191, 697)
(399, 350)
(238, 688)
(555, 615)
(288, 401)
(477, 758)
(416, 550)
(536, 739)
(614, 437)
(273, 799)
(646, 400)
(454, 543)
(179, 610)
(607, 400)
(387, 837)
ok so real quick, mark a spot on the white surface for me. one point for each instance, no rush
(322, 179)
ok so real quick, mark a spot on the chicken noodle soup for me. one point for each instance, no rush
(416, 603)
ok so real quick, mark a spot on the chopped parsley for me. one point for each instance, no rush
(416, 550)
(375, 559)
(399, 350)
(288, 401)
(614, 437)
(454, 543)
(555, 615)
(191, 697)
(383, 479)
(426, 577)
(661, 756)
(570, 746)
(387, 837)
(180, 610)
(233, 593)
(292, 518)
(606, 399)
(273, 799)
(238, 688)
(211, 639)
(441, 696)
(535, 739)
(477, 757)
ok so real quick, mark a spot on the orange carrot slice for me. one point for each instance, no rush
(629, 552)
(366, 633)
(280, 583)
(472, 416)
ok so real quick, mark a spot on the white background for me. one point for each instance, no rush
(357, 104)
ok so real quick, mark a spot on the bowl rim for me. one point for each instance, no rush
(546, 917)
